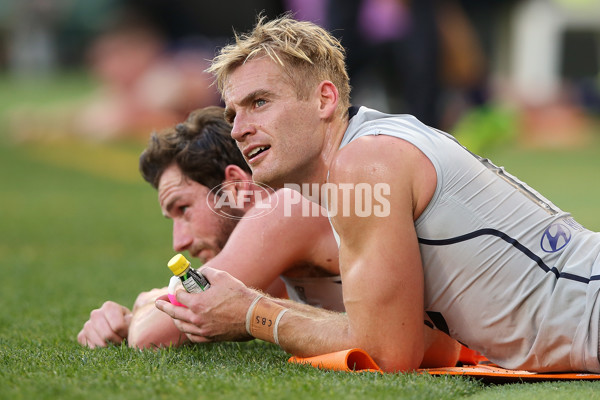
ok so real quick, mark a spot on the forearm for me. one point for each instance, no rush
(149, 326)
(308, 331)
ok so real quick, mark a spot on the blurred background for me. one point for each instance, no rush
(83, 83)
(491, 71)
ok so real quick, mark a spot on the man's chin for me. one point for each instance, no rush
(204, 258)
(270, 180)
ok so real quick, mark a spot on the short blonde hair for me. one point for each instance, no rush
(307, 53)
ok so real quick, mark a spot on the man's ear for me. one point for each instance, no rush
(328, 99)
(237, 179)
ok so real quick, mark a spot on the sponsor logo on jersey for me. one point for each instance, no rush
(555, 237)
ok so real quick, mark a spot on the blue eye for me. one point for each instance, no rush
(260, 102)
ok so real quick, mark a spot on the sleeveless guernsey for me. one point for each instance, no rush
(506, 272)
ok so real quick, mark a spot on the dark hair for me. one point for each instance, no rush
(201, 146)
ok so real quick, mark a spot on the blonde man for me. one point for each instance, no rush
(491, 261)
(302, 337)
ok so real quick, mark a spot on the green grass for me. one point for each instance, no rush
(78, 227)
(73, 237)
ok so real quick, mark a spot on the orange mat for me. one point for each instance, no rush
(359, 361)
(345, 360)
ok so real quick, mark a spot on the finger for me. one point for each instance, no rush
(181, 318)
(128, 318)
(197, 339)
(100, 326)
(164, 297)
(192, 331)
(171, 310)
(115, 318)
(210, 273)
(219, 277)
(184, 297)
(90, 337)
(81, 339)
(156, 292)
(94, 339)
(148, 297)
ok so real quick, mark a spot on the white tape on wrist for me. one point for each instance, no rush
(276, 327)
(249, 313)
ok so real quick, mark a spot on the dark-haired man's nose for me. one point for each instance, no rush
(182, 239)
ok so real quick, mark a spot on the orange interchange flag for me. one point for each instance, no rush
(358, 360)
(345, 360)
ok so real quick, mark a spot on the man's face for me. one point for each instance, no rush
(196, 228)
(277, 133)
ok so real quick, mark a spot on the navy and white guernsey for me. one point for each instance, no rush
(506, 272)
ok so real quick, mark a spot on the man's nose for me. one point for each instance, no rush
(241, 127)
(181, 237)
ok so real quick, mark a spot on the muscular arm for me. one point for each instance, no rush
(304, 330)
(379, 260)
(328, 332)
(278, 242)
(379, 255)
(258, 251)
(381, 271)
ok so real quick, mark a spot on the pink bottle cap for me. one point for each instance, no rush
(173, 300)
(174, 284)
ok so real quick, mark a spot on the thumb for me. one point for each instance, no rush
(121, 326)
(211, 274)
(219, 277)
(127, 318)
(184, 298)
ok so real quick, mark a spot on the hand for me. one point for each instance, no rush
(149, 297)
(107, 324)
(218, 314)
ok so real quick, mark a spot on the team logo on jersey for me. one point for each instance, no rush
(555, 237)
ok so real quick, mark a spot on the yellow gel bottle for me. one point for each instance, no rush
(192, 280)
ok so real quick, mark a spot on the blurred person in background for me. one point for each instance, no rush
(422, 58)
(393, 53)
(143, 84)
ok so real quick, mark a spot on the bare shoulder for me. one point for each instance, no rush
(374, 152)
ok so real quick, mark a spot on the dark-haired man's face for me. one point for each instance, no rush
(196, 227)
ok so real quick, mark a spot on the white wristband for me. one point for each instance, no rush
(275, 328)
(249, 313)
